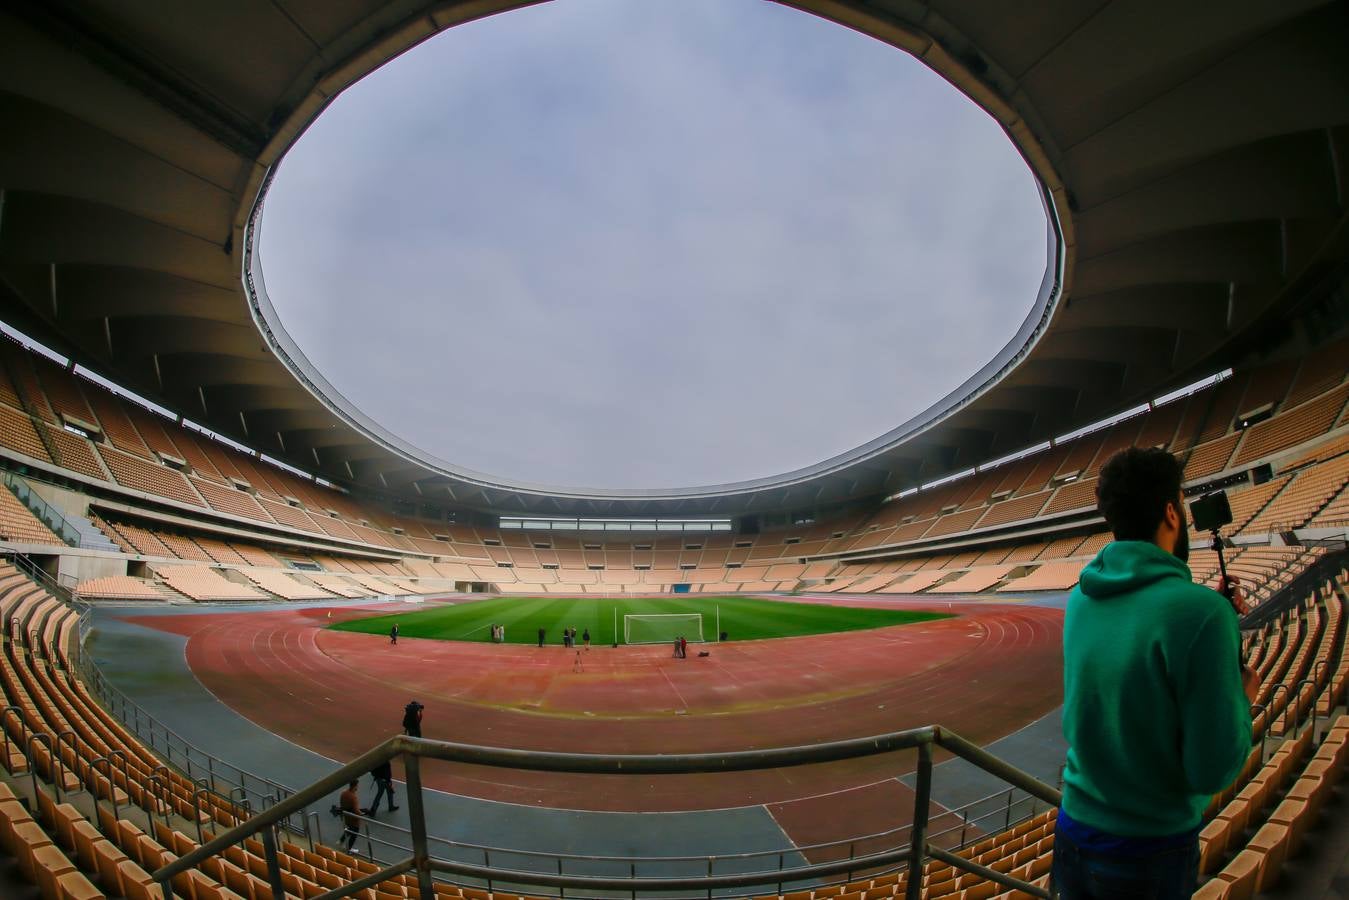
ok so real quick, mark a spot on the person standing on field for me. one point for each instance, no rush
(542, 635)
(393, 634)
(585, 637)
(1156, 705)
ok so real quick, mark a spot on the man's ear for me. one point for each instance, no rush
(1174, 517)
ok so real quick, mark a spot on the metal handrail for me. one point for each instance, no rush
(37, 574)
(145, 725)
(1003, 811)
(413, 750)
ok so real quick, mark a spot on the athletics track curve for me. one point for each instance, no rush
(985, 673)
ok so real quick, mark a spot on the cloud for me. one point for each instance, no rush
(654, 244)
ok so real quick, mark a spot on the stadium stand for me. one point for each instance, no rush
(1310, 491)
(17, 433)
(974, 580)
(19, 525)
(136, 473)
(201, 583)
(72, 849)
(1055, 576)
(73, 452)
(1191, 229)
(117, 587)
(253, 556)
(338, 585)
(134, 539)
(183, 547)
(285, 586)
(219, 551)
(1305, 445)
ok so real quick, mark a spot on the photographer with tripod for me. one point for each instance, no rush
(1156, 707)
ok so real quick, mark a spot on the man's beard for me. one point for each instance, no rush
(1182, 548)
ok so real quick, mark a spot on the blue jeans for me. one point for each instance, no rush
(1083, 875)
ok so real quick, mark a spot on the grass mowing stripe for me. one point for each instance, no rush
(744, 618)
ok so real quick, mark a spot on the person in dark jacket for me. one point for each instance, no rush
(412, 719)
(1156, 708)
(393, 634)
(383, 776)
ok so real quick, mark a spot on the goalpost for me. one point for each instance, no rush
(662, 628)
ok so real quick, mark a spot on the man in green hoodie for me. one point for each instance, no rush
(1156, 703)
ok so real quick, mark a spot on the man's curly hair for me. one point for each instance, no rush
(1133, 490)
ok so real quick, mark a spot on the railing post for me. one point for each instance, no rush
(918, 831)
(112, 788)
(40, 737)
(273, 863)
(417, 818)
(197, 812)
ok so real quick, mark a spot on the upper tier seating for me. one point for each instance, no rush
(1310, 490)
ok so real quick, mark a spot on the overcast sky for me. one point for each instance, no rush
(650, 243)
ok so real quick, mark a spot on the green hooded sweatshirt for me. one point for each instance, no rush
(1153, 709)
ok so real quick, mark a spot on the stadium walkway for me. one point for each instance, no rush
(150, 667)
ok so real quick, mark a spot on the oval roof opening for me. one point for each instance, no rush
(678, 242)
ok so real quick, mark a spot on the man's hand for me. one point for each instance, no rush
(1230, 587)
(1250, 683)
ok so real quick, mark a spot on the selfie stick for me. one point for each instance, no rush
(1222, 563)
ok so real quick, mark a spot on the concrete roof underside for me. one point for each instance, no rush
(1193, 160)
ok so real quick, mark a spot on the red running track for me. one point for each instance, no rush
(985, 673)
(989, 671)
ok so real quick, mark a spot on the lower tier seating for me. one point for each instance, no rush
(74, 852)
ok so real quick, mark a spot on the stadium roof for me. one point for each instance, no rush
(1192, 160)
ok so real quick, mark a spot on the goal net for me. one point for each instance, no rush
(663, 628)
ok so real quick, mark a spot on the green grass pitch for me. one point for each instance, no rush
(743, 618)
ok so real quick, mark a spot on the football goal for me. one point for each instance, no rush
(663, 628)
